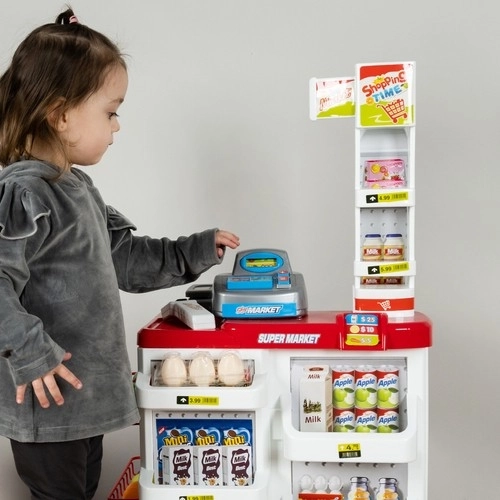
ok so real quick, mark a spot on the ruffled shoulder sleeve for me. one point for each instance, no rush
(19, 211)
(117, 221)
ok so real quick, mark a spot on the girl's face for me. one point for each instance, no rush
(87, 130)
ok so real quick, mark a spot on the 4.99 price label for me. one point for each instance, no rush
(387, 197)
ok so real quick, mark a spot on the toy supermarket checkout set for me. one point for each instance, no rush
(245, 393)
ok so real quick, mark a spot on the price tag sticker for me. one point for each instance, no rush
(387, 197)
(394, 268)
(198, 400)
(349, 450)
(389, 268)
(196, 497)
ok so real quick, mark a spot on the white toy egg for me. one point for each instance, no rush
(202, 369)
(173, 371)
(306, 483)
(335, 484)
(231, 369)
(320, 484)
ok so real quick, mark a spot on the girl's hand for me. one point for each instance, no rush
(225, 239)
(48, 381)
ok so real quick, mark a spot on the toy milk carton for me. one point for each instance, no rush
(175, 447)
(237, 456)
(177, 462)
(315, 390)
(208, 456)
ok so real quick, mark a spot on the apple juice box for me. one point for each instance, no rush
(315, 393)
(208, 455)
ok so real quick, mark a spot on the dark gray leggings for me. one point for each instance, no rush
(60, 471)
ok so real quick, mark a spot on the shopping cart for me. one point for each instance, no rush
(395, 110)
(131, 470)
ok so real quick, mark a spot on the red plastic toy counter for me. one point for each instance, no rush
(316, 330)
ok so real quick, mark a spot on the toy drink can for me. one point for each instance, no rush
(372, 247)
(387, 421)
(365, 420)
(365, 387)
(343, 386)
(344, 420)
(387, 386)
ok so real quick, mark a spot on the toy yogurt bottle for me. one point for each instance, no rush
(388, 489)
(372, 247)
(394, 247)
(360, 489)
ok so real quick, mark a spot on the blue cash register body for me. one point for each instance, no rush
(262, 284)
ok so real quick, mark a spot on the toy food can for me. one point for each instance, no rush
(344, 420)
(365, 387)
(387, 387)
(343, 387)
(394, 247)
(372, 247)
(365, 420)
(387, 420)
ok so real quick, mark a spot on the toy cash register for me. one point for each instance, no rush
(262, 285)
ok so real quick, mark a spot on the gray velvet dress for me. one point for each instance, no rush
(64, 256)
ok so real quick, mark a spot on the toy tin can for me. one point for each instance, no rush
(365, 420)
(344, 420)
(387, 386)
(343, 386)
(387, 421)
(365, 387)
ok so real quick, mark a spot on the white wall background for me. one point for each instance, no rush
(215, 132)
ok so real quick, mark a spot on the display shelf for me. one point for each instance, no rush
(259, 490)
(384, 198)
(398, 447)
(387, 268)
(384, 184)
(225, 398)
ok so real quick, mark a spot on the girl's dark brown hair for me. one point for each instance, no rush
(57, 67)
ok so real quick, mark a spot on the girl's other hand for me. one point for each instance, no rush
(48, 381)
(225, 239)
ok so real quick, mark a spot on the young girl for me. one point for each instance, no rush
(65, 377)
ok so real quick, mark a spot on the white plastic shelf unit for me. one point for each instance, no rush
(279, 349)
(385, 185)
(193, 402)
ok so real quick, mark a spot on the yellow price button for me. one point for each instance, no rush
(362, 339)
